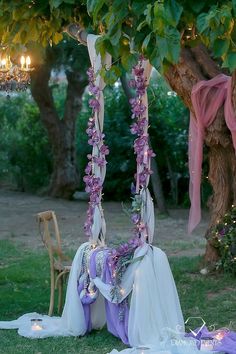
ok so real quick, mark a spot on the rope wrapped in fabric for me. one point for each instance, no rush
(143, 216)
(95, 225)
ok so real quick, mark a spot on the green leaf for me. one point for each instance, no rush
(114, 34)
(146, 41)
(221, 46)
(128, 60)
(159, 21)
(141, 25)
(148, 13)
(231, 60)
(234, 6)
(55, 3)
(155, 59)
(94, 6)
(100, 46)
(33, 30)
(173, 12)
(167, 13)
(169, 45)
(162, 46)
(17, 38)
(202, 23)
(197, 6)
(112, 75)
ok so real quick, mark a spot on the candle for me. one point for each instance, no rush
(22, 61)
(220, 335)
(36, 324)
(28, 62)
(3, 63)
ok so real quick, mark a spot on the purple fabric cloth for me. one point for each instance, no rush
(86, 300)
(117, 326)
(117, 315)
(226, 345)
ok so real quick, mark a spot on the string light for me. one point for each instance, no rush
(122, 291)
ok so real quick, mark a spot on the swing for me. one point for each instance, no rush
(108, 272)
(130, 288)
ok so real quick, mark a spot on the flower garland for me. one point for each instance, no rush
(94, 183)
(122, 256)
(223, 235)
(142, 149)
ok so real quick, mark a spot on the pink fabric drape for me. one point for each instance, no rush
(207, 97)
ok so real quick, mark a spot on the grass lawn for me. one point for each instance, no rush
(24, 287)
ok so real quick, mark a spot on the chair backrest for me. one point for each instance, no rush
(50, 234)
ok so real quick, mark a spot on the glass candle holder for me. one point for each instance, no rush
(36, 324)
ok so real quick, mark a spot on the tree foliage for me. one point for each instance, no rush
(25, 159)
(156, 28)
(168, 132)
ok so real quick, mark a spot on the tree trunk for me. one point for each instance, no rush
(195, 65)
(61, 131)
(174, 177)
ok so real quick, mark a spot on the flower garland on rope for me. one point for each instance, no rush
(122, 256)
(97, 160)
(141, 147)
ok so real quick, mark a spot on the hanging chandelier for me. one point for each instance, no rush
(15, 77)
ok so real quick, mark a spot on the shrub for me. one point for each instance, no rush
(223, 236)
(26, 156)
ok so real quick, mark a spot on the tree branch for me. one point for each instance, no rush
(209, 67)
(124, 82)
(184, 75)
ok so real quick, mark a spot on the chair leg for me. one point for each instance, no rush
(60, 294)
(52, 294)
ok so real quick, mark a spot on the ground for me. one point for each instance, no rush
(18, 223)
(25, 276)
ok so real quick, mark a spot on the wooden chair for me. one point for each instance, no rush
(60, 265)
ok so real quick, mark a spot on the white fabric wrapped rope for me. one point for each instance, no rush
(147, 206)
(98, 229)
